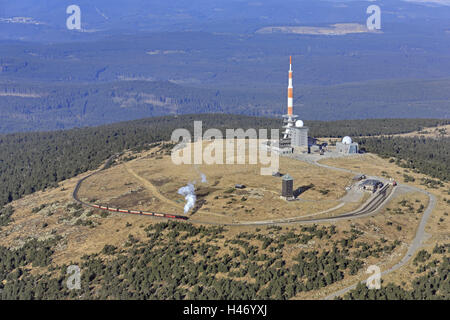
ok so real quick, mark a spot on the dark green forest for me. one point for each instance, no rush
(49, 86)
(44, 106)
(172, 263)
(426, 155)
(432, 284)
(5, 216)
(38, 160)
(182, 261)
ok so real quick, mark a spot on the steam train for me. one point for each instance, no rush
(144, 213)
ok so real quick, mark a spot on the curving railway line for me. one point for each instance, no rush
(106, 208)
(369, 208)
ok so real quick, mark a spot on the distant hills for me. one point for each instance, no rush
(30, 107)
(137, 59)
(32, 20)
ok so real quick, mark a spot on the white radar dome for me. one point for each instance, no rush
(347, 140)
(299, 123)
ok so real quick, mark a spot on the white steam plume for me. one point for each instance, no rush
(189, 195)
(202, 175)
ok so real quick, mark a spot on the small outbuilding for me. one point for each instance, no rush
(371, 185)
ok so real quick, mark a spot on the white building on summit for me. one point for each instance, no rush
(299, 135)
(347, 146)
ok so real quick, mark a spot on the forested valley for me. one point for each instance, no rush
(52, 106)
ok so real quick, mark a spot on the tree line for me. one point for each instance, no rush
(426, 155)
(34, 161)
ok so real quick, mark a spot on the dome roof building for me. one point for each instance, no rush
(347, 140)
(347, 146)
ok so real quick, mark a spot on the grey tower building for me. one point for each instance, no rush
(287, 187)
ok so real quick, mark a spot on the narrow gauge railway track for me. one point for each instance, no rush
(367, 209)
(106, 208)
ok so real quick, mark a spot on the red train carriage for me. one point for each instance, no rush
(161, 215)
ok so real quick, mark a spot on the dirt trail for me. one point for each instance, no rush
(150, 187)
